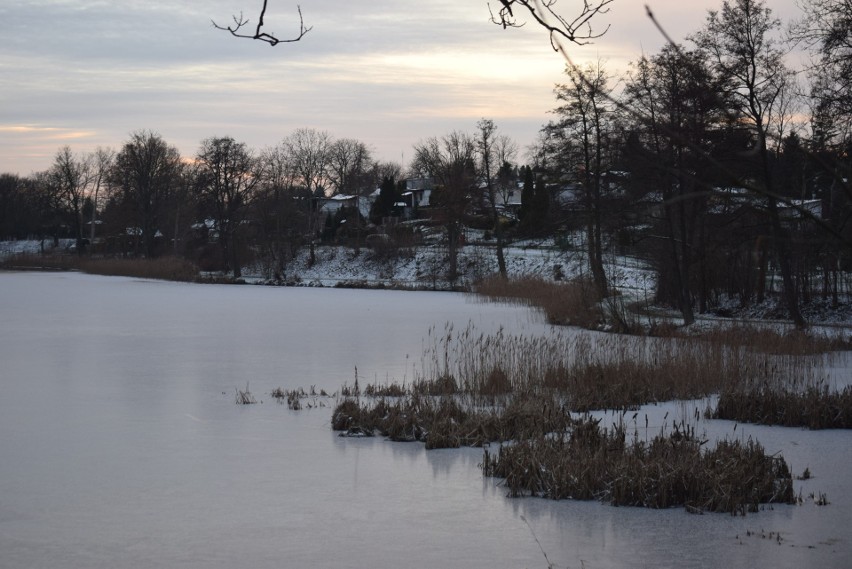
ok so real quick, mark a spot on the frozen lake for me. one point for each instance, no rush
(121, 445)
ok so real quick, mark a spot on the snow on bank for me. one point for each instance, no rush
(426, 267)
(418, 267)
(33, 247)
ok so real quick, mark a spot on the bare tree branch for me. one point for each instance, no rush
(577, 30)
(270, 38)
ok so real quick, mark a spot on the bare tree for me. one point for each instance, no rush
(826, 30)
(348, 163)
(227, 176)
(451, 163)
(380, 171)
(282, 208)
(494, 151)
(146, 172)
(584, 125)
(70, 177)
(102, 160)
(307, 149)
(308, 152)
(348, 166)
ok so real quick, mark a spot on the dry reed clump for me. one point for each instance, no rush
(771, 341)
(814, 407)
(449, 421)
(294, 397)
(391, 389)
(244, 397)
(589, 462)
(573, 302)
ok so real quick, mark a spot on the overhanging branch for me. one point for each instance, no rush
(270, 38)
(575, 29)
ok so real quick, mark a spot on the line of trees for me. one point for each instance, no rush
(151, 201)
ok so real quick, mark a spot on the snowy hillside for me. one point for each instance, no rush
(425, 267)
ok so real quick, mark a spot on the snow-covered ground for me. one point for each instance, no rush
(421, 267)
(33, 247)
(426, 266)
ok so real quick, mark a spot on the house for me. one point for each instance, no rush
(418, 192)
(330, 205)
(799, 210)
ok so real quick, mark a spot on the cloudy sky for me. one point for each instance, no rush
(87, 73)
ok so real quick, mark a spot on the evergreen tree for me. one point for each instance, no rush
(526, 193)
(383, 206)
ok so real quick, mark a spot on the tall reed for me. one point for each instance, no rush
(593, 370)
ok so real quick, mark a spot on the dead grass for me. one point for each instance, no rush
(575, 303)
(26, 261)
(572, 303)
(765, 339)
(163, 268)
(814, 407)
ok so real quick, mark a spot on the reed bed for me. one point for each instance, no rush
(552, 454)
(169, 268)
(450, 421)
(813, 407)
(532, 396)
(770, 340)
(673, 469)
(592, 370)
(572, 302)
(575, 303)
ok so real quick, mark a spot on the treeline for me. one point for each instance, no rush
(224, 207)
(713, 160)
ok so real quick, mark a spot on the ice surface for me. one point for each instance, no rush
(121, 445)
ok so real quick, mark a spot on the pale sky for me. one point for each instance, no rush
(390, 73)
